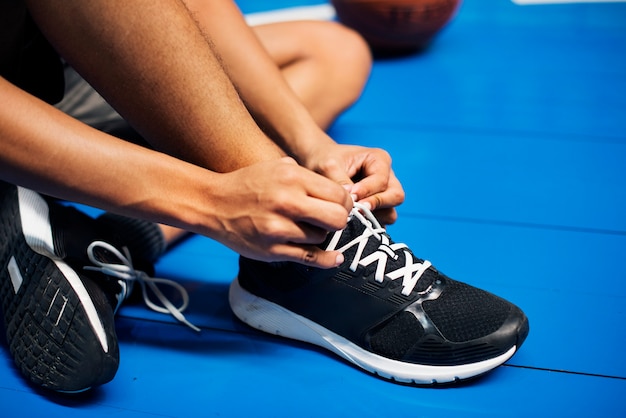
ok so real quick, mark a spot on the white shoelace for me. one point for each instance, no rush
(412, 270)
(127, 273)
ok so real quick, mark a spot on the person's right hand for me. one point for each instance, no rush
(278, 211)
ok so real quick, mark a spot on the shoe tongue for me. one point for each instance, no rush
(116, 288)
(143, 239)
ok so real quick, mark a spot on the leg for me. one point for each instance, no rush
(313, 59)
(225, 108)
(310, 54)
(325, 63)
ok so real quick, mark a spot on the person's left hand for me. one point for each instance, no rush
(365, 172)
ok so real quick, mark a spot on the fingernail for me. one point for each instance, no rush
(367, 205)
(354, 197)
(339, 260)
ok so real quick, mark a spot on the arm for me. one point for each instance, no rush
(173, 90)
(277, 108)
(266, 211)
(50, 152)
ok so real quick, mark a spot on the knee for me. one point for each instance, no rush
(347, 59)
(347, 49)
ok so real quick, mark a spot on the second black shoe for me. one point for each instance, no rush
(59, 322)
(63, 275)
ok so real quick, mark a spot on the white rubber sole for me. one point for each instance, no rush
(274, 319)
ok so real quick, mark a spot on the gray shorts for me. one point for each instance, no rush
(84, 103)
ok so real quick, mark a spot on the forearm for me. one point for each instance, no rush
(151, 62)
(48, 151)
(258, 79)
(271, 211)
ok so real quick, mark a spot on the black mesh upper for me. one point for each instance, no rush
(397, 337)
(464, 313)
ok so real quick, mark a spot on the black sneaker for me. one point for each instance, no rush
(58, 322)
(61, 282)
(383, 309)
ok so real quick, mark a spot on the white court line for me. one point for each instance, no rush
(319, 12)
(327, 11)
(528, 2)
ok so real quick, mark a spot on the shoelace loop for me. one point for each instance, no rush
(412, 270)
(125, 271)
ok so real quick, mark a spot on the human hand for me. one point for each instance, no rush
(279, 211)
(367, 174)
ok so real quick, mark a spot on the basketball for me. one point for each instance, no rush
(396, 25)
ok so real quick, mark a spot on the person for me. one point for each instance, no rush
(229, 142)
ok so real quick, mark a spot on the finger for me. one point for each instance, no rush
(309, 255)
(309, 197)
(391, 197)
(308, 234)
(297, 210)
(376, 175)
(324, 215)
(335, 171)
(288, 160)
(325, 192)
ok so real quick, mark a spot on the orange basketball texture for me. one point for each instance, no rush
(395, 25)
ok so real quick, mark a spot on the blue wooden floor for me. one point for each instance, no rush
(509, 135)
